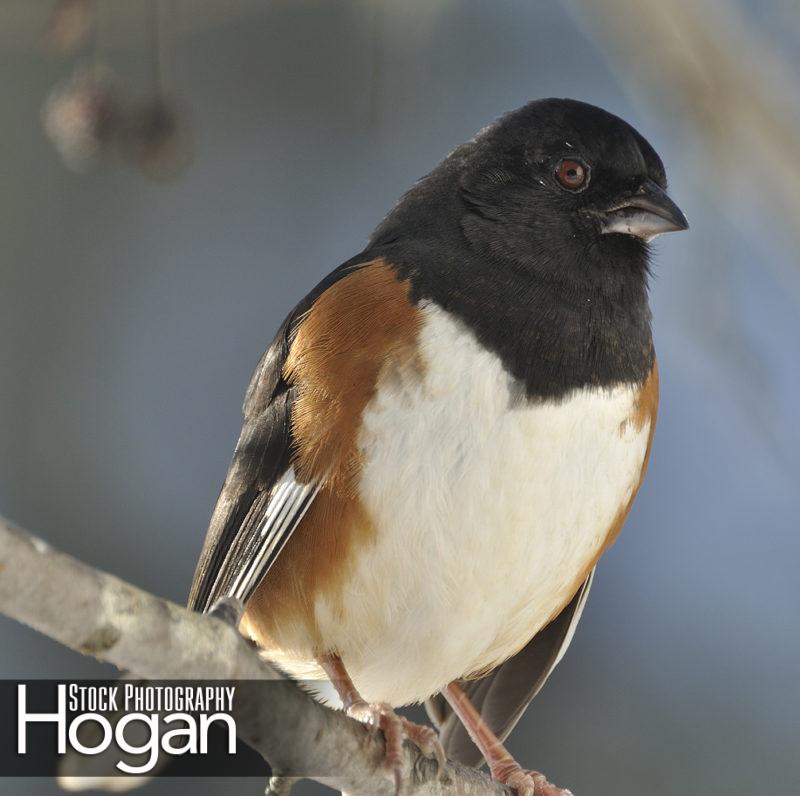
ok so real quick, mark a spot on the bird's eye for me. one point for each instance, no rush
(573, 174)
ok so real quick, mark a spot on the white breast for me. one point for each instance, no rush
(487, 508)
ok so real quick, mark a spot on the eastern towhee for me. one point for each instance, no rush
(449, 430)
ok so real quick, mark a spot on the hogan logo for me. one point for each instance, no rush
(176, 719)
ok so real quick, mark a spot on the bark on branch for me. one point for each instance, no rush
(98, 614)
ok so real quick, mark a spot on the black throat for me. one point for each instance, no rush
(585, 326)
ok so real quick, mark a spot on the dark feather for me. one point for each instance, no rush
(243, 539)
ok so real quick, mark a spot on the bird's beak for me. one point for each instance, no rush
(646, 213)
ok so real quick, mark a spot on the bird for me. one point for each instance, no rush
(447, 433)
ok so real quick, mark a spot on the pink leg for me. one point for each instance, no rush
(503, 767)
(382, 717)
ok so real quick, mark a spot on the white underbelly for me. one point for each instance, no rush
(487, 508)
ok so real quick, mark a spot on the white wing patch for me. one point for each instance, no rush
(288, 503)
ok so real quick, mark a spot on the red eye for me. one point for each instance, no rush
(573, 174)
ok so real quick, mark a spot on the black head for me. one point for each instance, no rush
(535, 234)
(555, 187)
(561, 176)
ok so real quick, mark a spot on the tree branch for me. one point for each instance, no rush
(98, 614)
(723, 76)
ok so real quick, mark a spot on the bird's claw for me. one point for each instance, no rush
(395, 730)
(528, 783)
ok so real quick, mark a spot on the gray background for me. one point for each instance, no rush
(132, 313)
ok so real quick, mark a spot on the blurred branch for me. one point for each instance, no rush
(97, 614)
(720, 73)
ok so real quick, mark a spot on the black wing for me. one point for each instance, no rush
(502, 696)
(261, 502)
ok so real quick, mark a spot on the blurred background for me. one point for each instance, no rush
(176, 175)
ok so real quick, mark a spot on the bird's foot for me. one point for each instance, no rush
(502, 765)
(395, 730)
(380, 716)
(525, 783)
